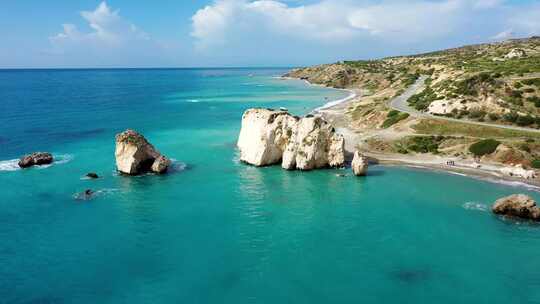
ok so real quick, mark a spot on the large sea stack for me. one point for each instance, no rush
(135, 155)
(271, 137)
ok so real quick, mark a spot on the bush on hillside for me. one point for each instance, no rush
(484, 147)
(393, 118)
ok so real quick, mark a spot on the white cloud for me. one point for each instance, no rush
(109, 29)
(335, 21)
(527, 21)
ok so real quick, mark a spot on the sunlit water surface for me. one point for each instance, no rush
(217, 231)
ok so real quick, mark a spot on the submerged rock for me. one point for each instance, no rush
(135, 155)
(359, 164)
(269, 137)
(517, 205)
(85, 195)
(92, 175)
(36, 159)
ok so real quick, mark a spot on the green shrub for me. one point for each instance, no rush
(471, 85)
(484, 147)
(422, 100)
(525, 147)
(525, 120)
(511, 117)
(532, 82)
(393, 118)
(425, 144)
(493, 117)
(535, 100)
(477, 114)
(535, 164)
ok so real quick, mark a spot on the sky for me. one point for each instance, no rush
(246, 33)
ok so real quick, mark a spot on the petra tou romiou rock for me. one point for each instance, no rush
(517, 205)
(36, 159)
(269, 137)
(135, 155)
(359, 164)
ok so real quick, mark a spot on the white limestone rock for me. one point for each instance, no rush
(264, 135)
(359, 164)
(135, 155)
(516, 53)
(518, 171)
(269, 137)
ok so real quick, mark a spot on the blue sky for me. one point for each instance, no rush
(172, 33)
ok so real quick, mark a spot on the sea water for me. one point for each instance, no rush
(215, 230)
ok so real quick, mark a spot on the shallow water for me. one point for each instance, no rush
(218, 231)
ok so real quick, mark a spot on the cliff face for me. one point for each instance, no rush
(269, 137)
(331, 75)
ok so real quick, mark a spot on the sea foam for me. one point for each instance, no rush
(475, 206)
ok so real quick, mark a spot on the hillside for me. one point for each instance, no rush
(492, 84)
(499, 82)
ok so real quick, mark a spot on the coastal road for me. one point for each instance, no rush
(400, 103)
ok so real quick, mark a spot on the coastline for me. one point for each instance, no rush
(335, 112)
(330, 104)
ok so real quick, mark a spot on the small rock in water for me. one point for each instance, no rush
(517, 205)
(341, 175)
(36, 159)
(85, 195)
(92, 175)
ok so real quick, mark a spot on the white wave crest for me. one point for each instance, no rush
(177, 166)
(475, 206)
(193, 100)
(9, 165)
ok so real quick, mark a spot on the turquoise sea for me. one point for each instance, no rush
(217, 231)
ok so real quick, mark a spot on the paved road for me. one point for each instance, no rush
(400, 103)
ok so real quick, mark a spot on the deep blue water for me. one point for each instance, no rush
(218, 231)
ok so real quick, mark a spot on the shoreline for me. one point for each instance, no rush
(481, 173)
(352, 94)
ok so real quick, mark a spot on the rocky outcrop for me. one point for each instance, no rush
(515, 53)
(518, 171)
(517, 205)
(269, 137)
(331, 75)
(36, 159)
(135, 155)
(359, 164)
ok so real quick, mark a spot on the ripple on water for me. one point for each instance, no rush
(411, 276)
(476, 206)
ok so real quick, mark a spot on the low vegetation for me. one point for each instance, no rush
(484, 147)
(393, 118)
